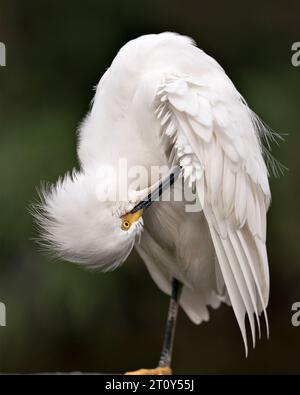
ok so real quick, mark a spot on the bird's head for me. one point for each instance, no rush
(78, 225)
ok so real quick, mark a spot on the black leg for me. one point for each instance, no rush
(166, 353)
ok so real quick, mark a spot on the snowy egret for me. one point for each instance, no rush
(165, 102)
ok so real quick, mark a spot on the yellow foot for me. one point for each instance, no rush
(158, 371)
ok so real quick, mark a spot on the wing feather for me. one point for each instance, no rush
(232, 288)
(214, 138)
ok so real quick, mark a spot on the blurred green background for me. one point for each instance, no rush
(62, 318)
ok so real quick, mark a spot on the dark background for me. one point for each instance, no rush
(62, 318)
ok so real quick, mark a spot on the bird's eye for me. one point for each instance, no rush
(125, 224)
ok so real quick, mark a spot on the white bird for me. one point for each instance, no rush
(165, 102)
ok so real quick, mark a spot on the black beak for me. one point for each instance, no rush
(156, 193)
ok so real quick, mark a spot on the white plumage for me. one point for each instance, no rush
(163, 101)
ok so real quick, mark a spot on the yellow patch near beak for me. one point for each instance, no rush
(129, 219)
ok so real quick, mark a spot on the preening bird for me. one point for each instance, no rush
(165, 103)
